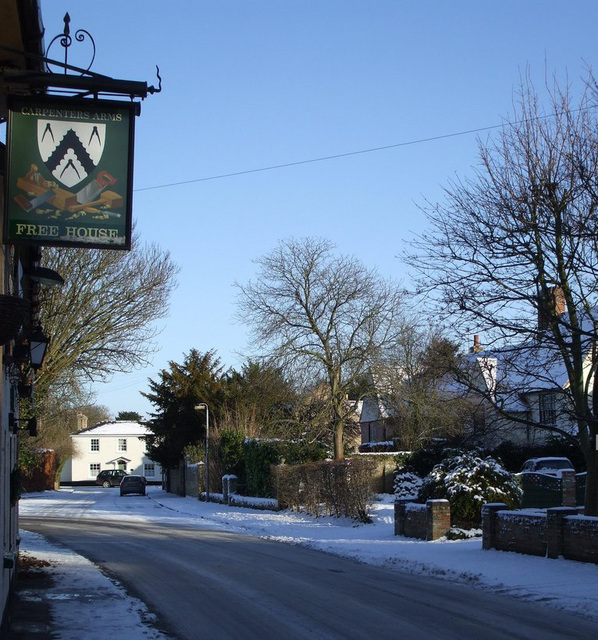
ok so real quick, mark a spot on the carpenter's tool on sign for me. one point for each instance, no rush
(94, 188)
(106, 199)
(35, 184)
(40, 190)
(28, 205)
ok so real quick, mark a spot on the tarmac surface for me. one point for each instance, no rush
(60, 595)
(29, 615)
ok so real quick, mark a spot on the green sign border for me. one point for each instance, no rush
(39, 210)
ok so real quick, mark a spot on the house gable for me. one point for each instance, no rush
(110, 445)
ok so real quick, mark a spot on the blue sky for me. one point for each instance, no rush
(254, 84)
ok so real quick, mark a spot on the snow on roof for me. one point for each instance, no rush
(370, 410)
(115, 428)
(375, 408)
(535, 365)
(386, 380)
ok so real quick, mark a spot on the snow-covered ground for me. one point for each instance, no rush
(561, 584)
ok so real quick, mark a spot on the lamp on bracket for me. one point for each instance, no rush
(38, 345)
(13, 423)
(45, 276)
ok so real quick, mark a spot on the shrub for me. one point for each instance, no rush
(259, 455)
(406, 484)
(556, 446)
(230, 451)
(337, 488)
(301, 452)
(512, 456)
(422, 461)
(468, 481)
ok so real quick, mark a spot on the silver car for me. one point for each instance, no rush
(549, 466)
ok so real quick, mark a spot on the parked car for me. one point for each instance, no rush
(133, 484)
(548, 466)
(110, 477)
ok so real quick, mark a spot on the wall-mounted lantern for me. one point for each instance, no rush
(38, 345)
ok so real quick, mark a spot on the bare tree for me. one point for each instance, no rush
(58, 421)
(415, 387)
(103, 320)
(512, 254)
(321, 315)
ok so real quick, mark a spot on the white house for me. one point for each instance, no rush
(528, 382)
(110, 445)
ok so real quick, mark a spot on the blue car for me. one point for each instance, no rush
(132, 484)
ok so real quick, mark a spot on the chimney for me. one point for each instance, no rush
(81, 421)
(554, 305)
(558, 300)
(477, 347)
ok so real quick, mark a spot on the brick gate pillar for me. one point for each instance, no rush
(568, 485)
(438, 519)
(489, 529)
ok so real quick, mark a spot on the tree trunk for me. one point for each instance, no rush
(339, 445)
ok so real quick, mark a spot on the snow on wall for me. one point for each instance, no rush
(554, 532)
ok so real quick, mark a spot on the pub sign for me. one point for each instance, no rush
(70, 173)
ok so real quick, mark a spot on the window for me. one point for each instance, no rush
(547, 406)
(94, 469)
(371, 432)
(122, 444)
(94, 444)
(149, 470)
(377, 431)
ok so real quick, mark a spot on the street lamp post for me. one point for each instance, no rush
(202, 406)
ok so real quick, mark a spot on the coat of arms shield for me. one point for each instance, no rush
(70, 150)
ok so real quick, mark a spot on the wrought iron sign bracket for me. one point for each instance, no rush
(81, 82)
(80, 86)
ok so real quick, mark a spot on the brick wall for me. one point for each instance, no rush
(555, 532)
(525, 534)
(42, 476)
(428, 521)
(580, 538)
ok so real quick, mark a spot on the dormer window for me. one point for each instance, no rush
(547, 408)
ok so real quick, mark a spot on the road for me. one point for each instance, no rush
(210, 584)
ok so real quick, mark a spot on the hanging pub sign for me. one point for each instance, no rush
(70, 172)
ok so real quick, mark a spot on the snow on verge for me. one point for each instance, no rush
(102, 605)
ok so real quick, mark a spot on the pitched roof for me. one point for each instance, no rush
(533, 366)
(115, 428)
(379, 406)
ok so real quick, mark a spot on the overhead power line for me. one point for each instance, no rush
(335, 156)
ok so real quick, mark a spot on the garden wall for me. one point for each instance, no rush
(192, 480)
(42, 475)
(428, 521)
(555, 532)
(385, 465)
